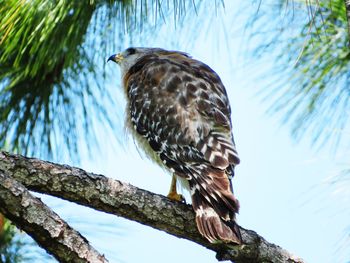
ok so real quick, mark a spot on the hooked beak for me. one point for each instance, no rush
(117, 58)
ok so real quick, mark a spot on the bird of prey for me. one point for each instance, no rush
(179, 113)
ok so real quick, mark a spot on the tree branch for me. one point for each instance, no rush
(112, 196)
(46, 227)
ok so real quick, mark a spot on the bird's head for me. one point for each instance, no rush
(131, 55)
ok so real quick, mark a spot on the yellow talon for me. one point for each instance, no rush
(173, 195)
(176, 197)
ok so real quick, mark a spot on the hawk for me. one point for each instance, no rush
(179, 113)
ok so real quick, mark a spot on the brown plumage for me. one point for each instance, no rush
(179, 113)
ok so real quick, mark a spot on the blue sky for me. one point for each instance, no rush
(283, 185)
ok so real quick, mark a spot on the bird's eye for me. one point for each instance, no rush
(131, 51)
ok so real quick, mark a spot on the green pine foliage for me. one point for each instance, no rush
(40, 43)
(312, 81)
(52, 67)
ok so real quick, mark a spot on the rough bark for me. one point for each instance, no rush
(46, 227)
(112, 196)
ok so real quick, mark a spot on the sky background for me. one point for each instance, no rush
(284, 186)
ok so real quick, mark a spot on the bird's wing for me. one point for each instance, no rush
(181, 106)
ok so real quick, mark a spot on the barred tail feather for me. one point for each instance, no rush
(212, 226)
(215, 207)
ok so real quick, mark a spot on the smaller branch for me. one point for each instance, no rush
(47, 228)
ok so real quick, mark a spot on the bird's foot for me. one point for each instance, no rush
(176, 197)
